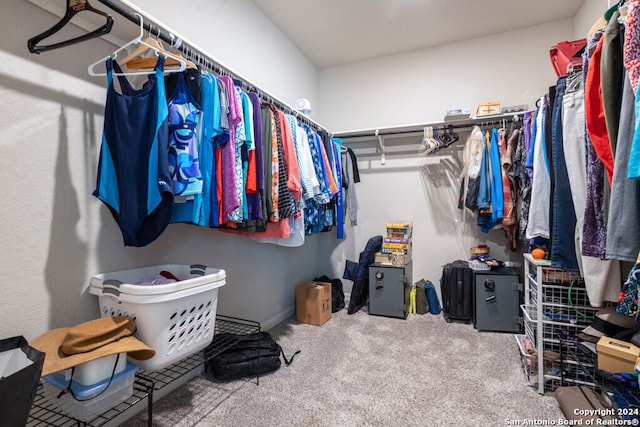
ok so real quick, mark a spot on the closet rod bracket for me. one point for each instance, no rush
(383, 153)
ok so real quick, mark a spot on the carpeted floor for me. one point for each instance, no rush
(362, 370)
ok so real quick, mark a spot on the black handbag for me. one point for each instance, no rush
(20, 369)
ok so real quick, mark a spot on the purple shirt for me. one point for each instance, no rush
(230, 201)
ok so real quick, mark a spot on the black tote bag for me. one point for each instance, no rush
(20, 369)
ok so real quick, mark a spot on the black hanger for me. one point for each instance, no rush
(73, 7)
(453, 136)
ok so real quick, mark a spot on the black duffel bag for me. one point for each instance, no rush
(337, 292)
(250, 355)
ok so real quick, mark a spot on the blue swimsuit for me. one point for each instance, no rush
(133, 173)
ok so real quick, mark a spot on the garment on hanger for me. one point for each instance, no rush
(563, 219)
(509, 216)
(491, 196)
(631, 44)
(193, 79)
(594, 111)
(227, 166)
(255, 190)
(349, 188)
(210, 130)
(336, 145)
(538, 221)
(310, 183)
(236, 162)
(631, 57)
(601, 277)
(472, 162)
(354, 162)
(623, 222)
(133, 179)
(611, 69)
(594, 225)
(184, 141)
(285, 205)
(521, 175)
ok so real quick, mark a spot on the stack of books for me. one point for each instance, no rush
(398, 241)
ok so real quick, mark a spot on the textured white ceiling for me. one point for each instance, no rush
(335, 32)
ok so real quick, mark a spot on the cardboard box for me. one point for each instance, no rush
(488, 108)
(616, 356)
(387, 259)
(313, 303)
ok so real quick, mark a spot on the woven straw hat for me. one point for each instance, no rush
(69, 347)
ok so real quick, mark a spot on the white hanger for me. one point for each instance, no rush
(138, 40)
(135, 61)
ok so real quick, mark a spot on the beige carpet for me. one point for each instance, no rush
(362, 370)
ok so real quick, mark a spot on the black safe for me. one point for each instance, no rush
(497, 299)
(389, 290)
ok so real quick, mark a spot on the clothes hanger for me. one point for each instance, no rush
(149, 41)
(137, 40)
(424, 143)
(438, 137)
(433, 144)
(73, 8)
(454, 135)
(150, 62)
(136, 61)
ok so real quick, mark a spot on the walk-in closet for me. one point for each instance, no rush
(334, 213)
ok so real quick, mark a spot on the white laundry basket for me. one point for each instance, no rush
(175, 319)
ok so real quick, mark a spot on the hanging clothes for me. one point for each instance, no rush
(509, 217)
(226, 164)
(310, 184)
(292, 190)
(612, 81)
(522, 176)
(184, 166)
(490, 196)
(631, 59)
(237, 164)
(472, 162)
(256, 190)
(241, 136)
(288, 232)
(211, 129)
(601, 277)
(538, 222)
(348, 185)
(623, 225)
(133, 179)
(336, 145)
(184, 147)
(594, 111)
(563, 252)
(594, 232)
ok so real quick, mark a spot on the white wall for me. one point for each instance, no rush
(418, 87)
(590, 11)
(241, 37)
(55, 235)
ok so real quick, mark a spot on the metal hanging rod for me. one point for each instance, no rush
(408, 130)
(412, 130)
(128, 10)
